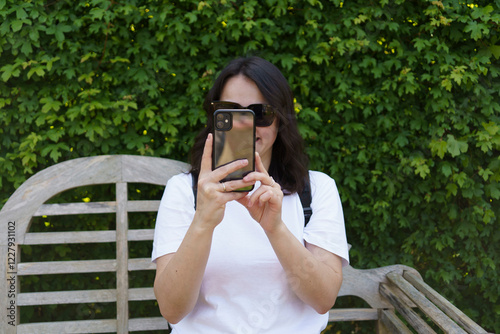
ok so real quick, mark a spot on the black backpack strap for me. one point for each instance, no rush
(306, 199)
(195, 187)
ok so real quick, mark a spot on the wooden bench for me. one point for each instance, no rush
(398, 299)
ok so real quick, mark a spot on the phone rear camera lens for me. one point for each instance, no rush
(220, 124)
(220, 117)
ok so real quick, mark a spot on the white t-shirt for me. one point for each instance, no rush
(244, 289)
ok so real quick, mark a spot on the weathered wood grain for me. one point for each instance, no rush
(364, 283)
(69, 327)
(65, 267)
(141, 264)
(66, 297)
(88, 266)
(121, 258)
(81, 237)
(141, 234)
(139, 294)
(150, 170)
(391, 321)
(451, 310)
(411, 316)
(147, 324)
(93, 326)
(352, 314)
(439, 318)
(74, 237)
(143, 206)
(81, 296)
(63, 209)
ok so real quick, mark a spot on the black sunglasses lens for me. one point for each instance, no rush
(225, 105)
(264, 114)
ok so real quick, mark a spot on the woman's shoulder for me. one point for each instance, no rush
(317, 176)
(181, 180)
(181, 177)
(320, 180)
(178, 191)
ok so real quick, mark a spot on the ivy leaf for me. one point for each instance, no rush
(50, 104)
(206, 39)
(485, 173)
(97, 13)
(60, 30)
(446, 169)
(192, 17)
(494, 190)
(495, 50)
(401, 140)
(423, 170)
(38, 70)
(50, 63)
(5, 28)
(476, 29)
(9, 71)
(491, 127)
(460, 178)
(21, 13)
(456, 147)
(26, 48)
(446, 83)
(438, 147)
(457, 74)
(319, 58)
(482, 12)
(287, 61)
(16, 25)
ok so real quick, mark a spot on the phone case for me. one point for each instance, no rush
(234, 139)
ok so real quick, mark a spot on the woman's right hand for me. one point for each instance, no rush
(212, 194)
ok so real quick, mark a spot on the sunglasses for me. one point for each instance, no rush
(264, 113)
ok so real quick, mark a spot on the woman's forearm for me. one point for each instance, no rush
(178, 278)
(314, 274)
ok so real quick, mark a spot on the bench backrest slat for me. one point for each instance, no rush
(444, 322)
(451, 310)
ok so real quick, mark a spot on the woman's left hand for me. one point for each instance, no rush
(265, 203)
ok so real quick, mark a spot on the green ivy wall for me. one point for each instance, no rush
(397, 100)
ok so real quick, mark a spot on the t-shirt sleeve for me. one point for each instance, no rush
(326, 229)
(175, 215)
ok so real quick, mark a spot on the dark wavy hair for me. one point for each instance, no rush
(289, 163)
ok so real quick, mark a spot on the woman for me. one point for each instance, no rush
(244, 262)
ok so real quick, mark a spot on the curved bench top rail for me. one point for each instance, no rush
(365, 283)
(105, 169)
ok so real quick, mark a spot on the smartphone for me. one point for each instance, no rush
(234, 139)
